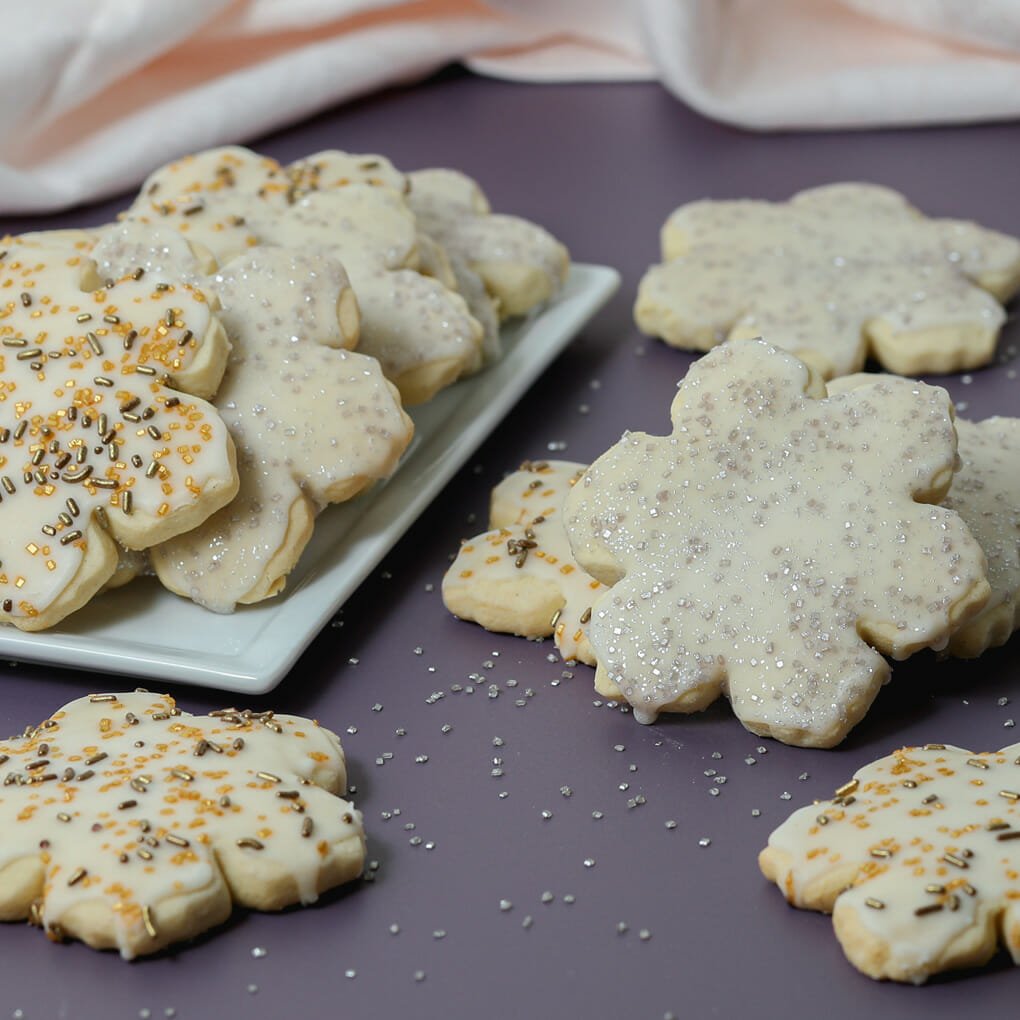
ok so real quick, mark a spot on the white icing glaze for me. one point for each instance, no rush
(527, 541)
(815, 274)
(127, 800)
(932, 816)
(85, 394)
(769, 534)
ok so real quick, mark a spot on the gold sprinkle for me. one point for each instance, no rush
(822, 819)
(306, 826)
(874, 904)
(1009, 794)
(978, 763)
(250, 843)
(177, 840)
(957, 862)
(586, 615)
(934, 747)
(150, 926)
(94, 343)
(182, 774)
(931, 908)
(930, 799)
(934, 888)
(555, 618)
(77, 876)
(268, 777)
(102, 697)
(881, 851)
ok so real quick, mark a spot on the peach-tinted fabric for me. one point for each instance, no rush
(96, 93)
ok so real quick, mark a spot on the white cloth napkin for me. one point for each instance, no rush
(97, 93)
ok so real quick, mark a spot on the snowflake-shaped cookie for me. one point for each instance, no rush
(760, 549)
(98, 435)
(917, 858)
(835, 275)
(313, 423)
(129, 824)
(520, 577)
(230, 200)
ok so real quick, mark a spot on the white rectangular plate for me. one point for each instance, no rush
(144, 631)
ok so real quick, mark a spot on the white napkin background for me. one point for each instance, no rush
(97, 93)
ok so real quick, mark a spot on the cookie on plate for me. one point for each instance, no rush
(917, 858)
(103, 434)
(131, 825)
(520, 577)
(773, 545)
(313, 422)
(836, 275)
(229, 200)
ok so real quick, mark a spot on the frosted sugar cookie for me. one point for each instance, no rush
(769, 545)
(313, 423)
(835, 275)
(230, 200)
(917, 858)
(520, 576)
(101, 434)
(522, 264)
(131, 825)
(986, 494)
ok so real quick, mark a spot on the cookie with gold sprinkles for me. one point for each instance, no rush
(917, 858)
(773, 545)
(520, 577)
(131, 825)
(836, 275)
(103, 432)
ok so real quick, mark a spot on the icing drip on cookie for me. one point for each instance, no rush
(768, 540)
(833, 275)
(918, 857)
(122, 819)
(521, 577)
(95, 429)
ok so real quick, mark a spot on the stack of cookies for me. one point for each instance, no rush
(185, 380)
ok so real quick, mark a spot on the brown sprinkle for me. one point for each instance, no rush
(931, 908)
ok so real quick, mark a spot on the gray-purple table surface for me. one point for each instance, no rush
(580, 865)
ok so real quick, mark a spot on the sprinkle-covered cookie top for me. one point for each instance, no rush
(763, 546)
(97, 432)
(836, 274)
(122, 810)
(520, 576)
(917, 856)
